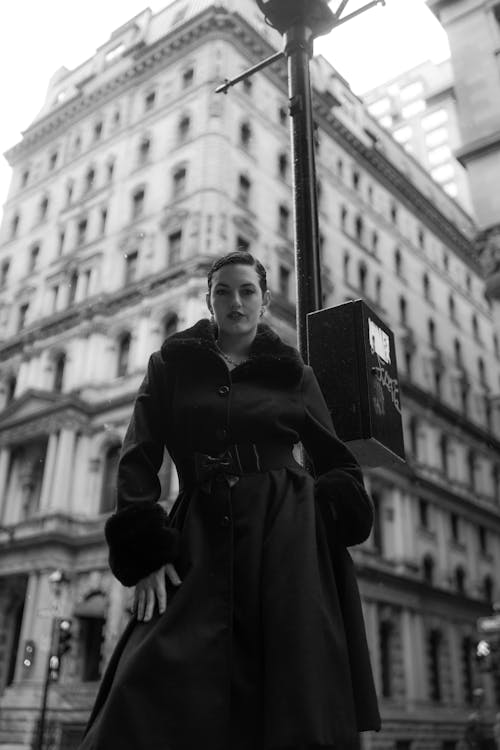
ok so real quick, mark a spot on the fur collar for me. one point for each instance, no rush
(270, 358)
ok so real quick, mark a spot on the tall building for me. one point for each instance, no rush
(124, 188)
(419, 108)
(473, 28)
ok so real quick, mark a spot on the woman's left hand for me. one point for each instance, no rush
(151, 589)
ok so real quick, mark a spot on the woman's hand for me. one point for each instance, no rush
(151, 589)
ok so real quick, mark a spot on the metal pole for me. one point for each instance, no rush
(298, 49)
(43, 710)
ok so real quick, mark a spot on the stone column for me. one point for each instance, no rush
(48, 472)
(410, 655)
(4, 470)
(63, 470)
(455, 663)
(419, 648)
(82, 453)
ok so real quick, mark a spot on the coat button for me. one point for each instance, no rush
(223, 390)
(226, 521)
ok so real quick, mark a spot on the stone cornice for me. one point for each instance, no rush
(105, 306)
(398, 185)
(429, 401)
(145, 62)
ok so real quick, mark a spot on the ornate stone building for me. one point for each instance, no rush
(130, 180)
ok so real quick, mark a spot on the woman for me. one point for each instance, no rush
(248, 632)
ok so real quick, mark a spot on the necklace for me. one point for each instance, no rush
(228, 358)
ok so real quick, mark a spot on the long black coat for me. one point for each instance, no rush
(263, 645)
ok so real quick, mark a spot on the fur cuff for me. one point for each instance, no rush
(349, 504)
(140, 541)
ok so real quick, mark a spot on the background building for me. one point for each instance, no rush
(419, 108)
(130, 180)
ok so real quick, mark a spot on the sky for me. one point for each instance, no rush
(37, 38)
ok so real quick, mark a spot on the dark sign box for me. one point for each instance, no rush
(352, 353)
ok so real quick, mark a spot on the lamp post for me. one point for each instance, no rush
(300, 22)
(57, 580)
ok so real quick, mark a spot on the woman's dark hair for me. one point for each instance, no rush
(243, 258)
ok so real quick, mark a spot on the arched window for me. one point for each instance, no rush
(428, 569)
(347, 261)
(443, 452)
(11, 388)
(452, 307)
(482, 372)
(110, 469)
(343, 218)
(340, 167)
(43, 208)
(467, 671)
(426, 284)
(123, 354)
(403, 317)
(458, 352)
(359, 229)
(283, 165)
(432, 332)
(179, 181)
(471, 469)
(59, 365)
(398, 262)
(475, 327)
(91, 621)
(14, 225)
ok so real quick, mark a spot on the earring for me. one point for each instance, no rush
(261, 312)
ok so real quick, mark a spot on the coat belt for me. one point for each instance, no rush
(201, 469)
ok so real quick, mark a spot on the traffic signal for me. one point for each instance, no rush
(63, 636)
(28, 656)
(484, 656)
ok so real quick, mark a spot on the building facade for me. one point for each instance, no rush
(129, 182)
(419, 108)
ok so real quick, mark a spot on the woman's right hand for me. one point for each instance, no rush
(152, 589)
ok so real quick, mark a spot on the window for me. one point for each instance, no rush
(488, 588)
(411, 90)
(428, 569)
(362, 273)
(421, 238)
(423, 513)
(467, 674)
(496, 346)
(482, 372)
(359, 229)
(149, 101)
(378, 290)
(283, 115)
(343, 218)
(284, 220)
(123, 355)
(403, 314)
(53, 160)
(244, 187)
(398, 262)
(23, 312)
(438, 155)
(455, 527)
(103, 220)
(403, 135)
(340, 168)
(434, 119)
(446, 262)
(394, 213)
(460, 579)
(131, 264)
(108, 492)
(179, 181)
(187, 78)
(475, 327)
(4, 273)
(482, 536)
(386, 657)
(98, 130)
(443, 453)
(81, 232)
(284, 281)
(431, 327)
(14, 226)
(116, 118)
(414, 108)
(59, 366)
(452, 308)
(77, 145)
(144, 150)
(377, 522)
(11, 388)
(426, 284)
(346, 263)
(380, 106)
(43, 208)
(434, 641)
(174, 247)
(247, 86)
(60, 243)
(34, 253)
(86, 284)
(69, 192)
(89, 179)
(138, 203)
(55, 294)
(374, 242)
(355, 179)
(458, 353)
(91, 633)
(25, 178)
(283, 166)
(184, 127)
(436, 137)
(110, 170)
(443, 173)
(245, 135)
(73, 283)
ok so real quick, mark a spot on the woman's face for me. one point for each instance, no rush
(236, 299)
